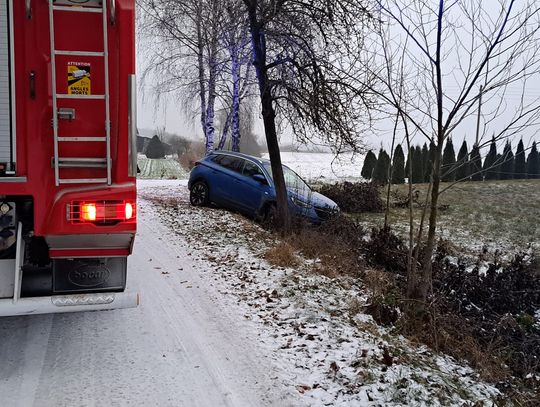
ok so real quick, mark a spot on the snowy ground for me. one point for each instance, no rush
(218, 326)
(322, 348)
(183, 346)
(495, 219)
(324, 167)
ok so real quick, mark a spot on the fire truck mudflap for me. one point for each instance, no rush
(67, 155)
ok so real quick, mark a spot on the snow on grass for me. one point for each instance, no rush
(165, 168)
(330, 352)
(498, 218)
(166, 187)
(324, 167)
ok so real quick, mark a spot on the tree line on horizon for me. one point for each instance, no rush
(467, 166)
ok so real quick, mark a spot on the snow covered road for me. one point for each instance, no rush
(179, 348)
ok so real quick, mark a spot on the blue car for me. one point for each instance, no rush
(244, 184)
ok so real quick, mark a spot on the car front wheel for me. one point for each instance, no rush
(199, 194)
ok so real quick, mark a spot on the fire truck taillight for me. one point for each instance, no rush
(128, 211)
(88, 212)
(101, 212)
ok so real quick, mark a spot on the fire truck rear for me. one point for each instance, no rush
(67, 154)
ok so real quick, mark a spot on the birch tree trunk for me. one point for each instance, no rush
(209, 128)
(225, 133)
(201, 69)
(235, 114)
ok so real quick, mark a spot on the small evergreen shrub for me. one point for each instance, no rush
(155, 148)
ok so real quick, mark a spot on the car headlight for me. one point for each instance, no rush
(300, 203)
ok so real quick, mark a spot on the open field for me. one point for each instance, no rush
(324, 167)
(502, 215)
(166, 168)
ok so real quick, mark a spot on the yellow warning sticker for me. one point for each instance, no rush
(79, 81)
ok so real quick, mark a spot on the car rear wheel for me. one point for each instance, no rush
(199, 194)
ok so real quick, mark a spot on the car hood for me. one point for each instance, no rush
(314, 198)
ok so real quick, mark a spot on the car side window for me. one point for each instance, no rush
(251, 169)
(217, 159)
(232, 163)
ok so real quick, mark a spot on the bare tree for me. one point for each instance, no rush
(300, 49)
(236, 41)
(202, 49)
(183, 52)
(454, 54)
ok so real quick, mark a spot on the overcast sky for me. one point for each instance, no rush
(171, 115)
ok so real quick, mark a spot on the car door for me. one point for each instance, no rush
(225, 188)
(216, 178)
(253, 191)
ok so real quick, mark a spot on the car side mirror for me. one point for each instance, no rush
(260, 178)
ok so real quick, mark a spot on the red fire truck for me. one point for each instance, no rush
(68, 157)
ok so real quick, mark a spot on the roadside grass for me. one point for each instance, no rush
(503, 215)
(282, 255)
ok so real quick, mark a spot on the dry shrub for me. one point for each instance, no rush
(355, 197)
(485, 318)
(335, 245)
(488, 320)
(457, 339)
(384, 297)
(337, 263)
(349, 232)
(454, 336)
(379, 282)
(195, 152)
(310, 243)
(282, 255)
(385, 249)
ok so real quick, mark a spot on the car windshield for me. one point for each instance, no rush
(292, 179)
